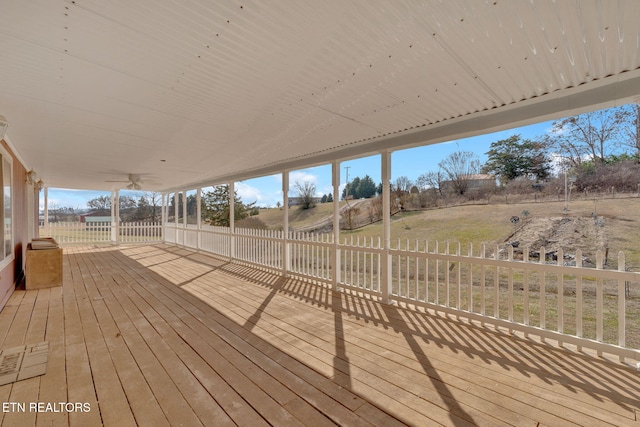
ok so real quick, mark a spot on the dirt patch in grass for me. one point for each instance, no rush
(568, 233)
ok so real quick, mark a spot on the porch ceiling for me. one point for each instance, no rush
(190, 92)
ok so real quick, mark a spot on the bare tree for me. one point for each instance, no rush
(306, 191)
(430, 180)
(55, 210)
(589, 136)
(149, 206)
(375, 209)
(349, 215)
(631, 130)
(401, 190)
(100, 203)
(403, 184)
(458, 167)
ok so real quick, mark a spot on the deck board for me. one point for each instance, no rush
(159, 335)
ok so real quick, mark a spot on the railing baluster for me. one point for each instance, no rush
(470, 280)
(579, 297)
(543, 286)
(599, 296)
(510, 284)
(560, 297)
(525, 280)
(426, 271)
(458, 279)
(483, 276)
(436, 276)
(496, 287)
(621, 304)
(447, 277)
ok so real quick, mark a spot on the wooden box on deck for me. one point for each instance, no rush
(44, 268)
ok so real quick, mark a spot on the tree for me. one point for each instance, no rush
(55, 210)
(360, 188)
(349, 215)
(128, 207)
(149, 206)
(587, 136)
(307, 192)
(215, 206)
(351, 188)
(192, 209)
(100, 204)
(514, 157)
(401, 189)
(402, 185)
(127, 202)
(329, 198)
(366, 188)
(323, 199)
(431, 180)
(458, 167)
(631, 129)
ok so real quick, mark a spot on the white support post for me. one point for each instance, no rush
(622, 316)
(113, 215)
(175, 216)
(184, 214)
(163, 216)
(286, 260)
(335, 256)
(46, 212)
(31, 197)
(199, 218)
(117, 218)
(385, 277)
(232, 220)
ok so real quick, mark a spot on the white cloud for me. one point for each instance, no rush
(300, 176)
(248, 194)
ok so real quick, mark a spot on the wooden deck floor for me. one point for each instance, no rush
(157, 335)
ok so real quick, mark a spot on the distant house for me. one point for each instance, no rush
(475, 183)
(96, 222)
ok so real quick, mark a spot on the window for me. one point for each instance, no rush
(6, 210)
(171, 208)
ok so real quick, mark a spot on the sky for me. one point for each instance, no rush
(267, 191)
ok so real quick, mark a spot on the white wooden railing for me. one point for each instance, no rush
(586, 307)
(102, 232)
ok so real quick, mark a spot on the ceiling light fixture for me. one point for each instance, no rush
(31, 177)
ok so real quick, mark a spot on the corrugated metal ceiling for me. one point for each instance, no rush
(95, 90)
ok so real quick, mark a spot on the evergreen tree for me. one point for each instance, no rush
(515, 157)
(215, 206)
(366, 188)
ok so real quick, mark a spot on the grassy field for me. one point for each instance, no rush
(489, 224)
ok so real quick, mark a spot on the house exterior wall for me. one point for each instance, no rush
(13, 272)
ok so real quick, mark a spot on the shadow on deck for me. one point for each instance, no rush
(159, 335)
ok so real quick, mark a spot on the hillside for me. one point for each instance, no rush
(588, 225)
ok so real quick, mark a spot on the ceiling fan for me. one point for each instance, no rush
(134, 182)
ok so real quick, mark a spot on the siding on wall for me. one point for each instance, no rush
(14, 271)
